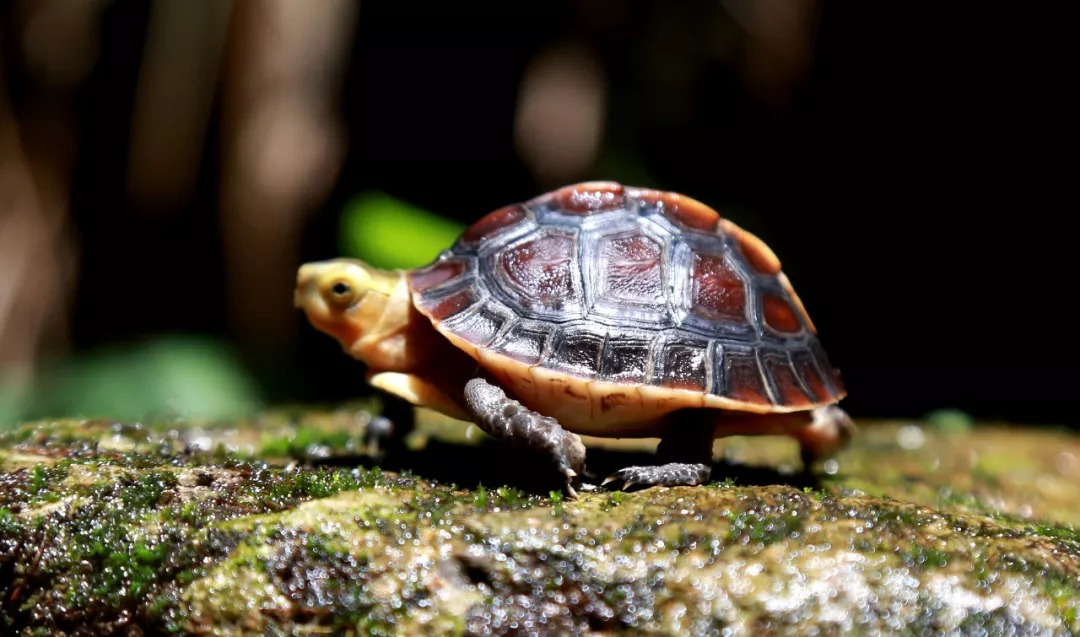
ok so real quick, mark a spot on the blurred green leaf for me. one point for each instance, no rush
(390, 233)
(950, 420)
(11, 405)
(168, 377)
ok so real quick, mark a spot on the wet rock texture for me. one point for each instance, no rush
(283, 525)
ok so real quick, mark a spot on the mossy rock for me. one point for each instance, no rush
(287, 524)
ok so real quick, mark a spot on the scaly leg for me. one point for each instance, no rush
(386, 432)
(685, 457)
(829, 432)
(507, 420)
(821, 433)
(688, 448)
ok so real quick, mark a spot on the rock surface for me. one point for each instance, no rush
(283, 525)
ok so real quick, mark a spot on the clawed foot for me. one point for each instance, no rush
(506, 419)
(667, 475)
(573, 480)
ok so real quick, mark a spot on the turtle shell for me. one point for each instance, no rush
(602, 283)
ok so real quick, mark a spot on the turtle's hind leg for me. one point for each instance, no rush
(508, 420)
(684, 455)
(821, 433)
(829, 431)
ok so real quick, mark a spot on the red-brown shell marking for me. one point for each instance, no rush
(681, 209)
(627, 300)
(587, 198)
(719, 292)
(493, 222)
(540, 270)
(440, 272)
(778, 314)
(759, 256)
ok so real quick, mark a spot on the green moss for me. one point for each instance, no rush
(765, 521)
(509, 496)
(615, 498)
(309, 441)
(924, 557)
(1064, 591)
(1067, 533)
(556, 502)
(120, 543)
(38, 480)
(480, 499)
(145, 491)
(325, 483)
(726, 483)
(222, 541)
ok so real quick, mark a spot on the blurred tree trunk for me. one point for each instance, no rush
(560, 116)
(779, 52)
(53, 45)
(282, 147)
(173, 101)
(36, 255)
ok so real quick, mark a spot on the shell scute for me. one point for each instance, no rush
(681, 209)
(494, 222)
(805, 367)
(577, 353)
(479, 327)
(452, 304)
(587, 198)
(788, 388)
(436, 274)
(779, 315)
(742, 378)
(542, 270)
(685, 366)
(719, 292)
(758, 255)
(523, 342)
(626, 359)
(631, 270)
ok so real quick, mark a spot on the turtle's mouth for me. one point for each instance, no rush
(299, 298)
(330, 322)
(307, 298)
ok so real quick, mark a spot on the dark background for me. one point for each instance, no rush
(914, 181)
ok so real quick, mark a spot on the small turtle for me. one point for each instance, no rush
(601, 310)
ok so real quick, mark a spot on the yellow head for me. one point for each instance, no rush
(351, 301)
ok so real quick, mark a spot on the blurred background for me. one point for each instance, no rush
(165, 166)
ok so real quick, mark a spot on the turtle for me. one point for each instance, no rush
(596, 309)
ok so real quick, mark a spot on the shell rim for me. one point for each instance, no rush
(686, 397)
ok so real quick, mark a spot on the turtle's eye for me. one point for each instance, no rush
(341, 293)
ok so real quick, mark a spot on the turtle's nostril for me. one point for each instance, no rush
(304, 275)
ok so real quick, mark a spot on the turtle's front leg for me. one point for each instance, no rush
(508, 420)
(685, 457)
